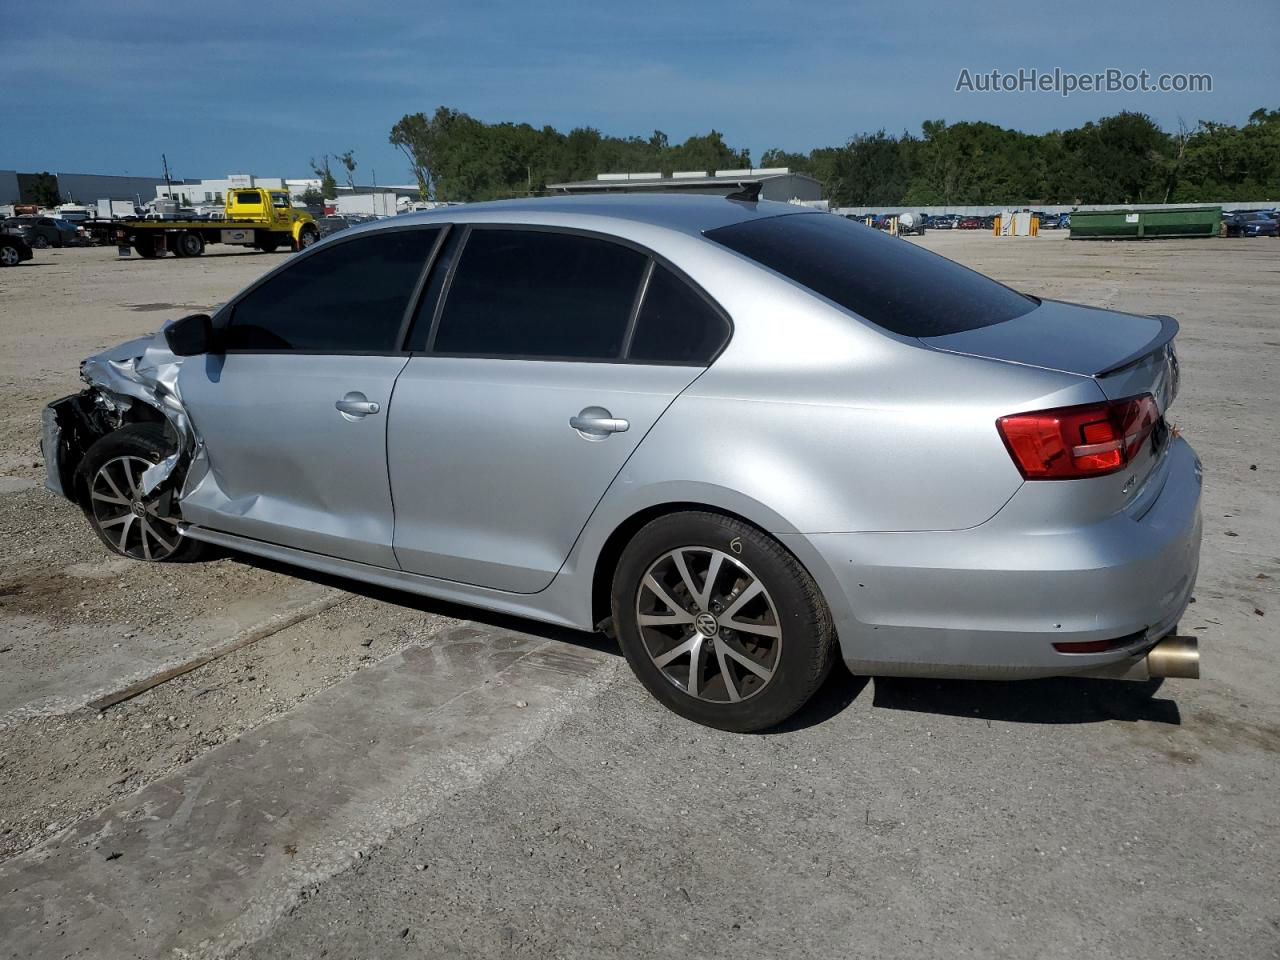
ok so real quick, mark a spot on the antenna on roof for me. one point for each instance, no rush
(746, 192)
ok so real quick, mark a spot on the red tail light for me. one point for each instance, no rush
(1072, 442)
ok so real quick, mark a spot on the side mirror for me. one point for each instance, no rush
(191, 336)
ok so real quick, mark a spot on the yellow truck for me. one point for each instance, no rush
(265, 220)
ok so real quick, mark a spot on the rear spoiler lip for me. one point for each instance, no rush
(1168, 330)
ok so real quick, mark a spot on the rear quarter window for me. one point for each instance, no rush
(249, 199)
(889, 281)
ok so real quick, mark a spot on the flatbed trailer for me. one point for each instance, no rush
(264, 220)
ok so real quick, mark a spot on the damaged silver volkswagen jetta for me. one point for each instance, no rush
(747, 436)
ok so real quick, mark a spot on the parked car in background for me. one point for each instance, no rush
(725, 431)
(19, 227)
(13, 249)
(941, 222)
(47, 231)
(1255, 223)
(331, 225)
(969, 223)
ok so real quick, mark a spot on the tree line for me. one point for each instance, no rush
(1125, 158)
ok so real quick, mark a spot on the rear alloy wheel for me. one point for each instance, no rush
(724, 646)
(41, 242)
(131, 523)
(720, 622)
(9, 256)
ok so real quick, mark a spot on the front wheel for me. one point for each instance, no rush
(133, 524)
(720, 622)
(307, 237)
(9, 256)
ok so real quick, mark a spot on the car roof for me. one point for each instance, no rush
(682, 213)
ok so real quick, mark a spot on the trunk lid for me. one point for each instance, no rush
(1127, 354)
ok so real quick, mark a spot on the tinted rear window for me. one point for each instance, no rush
(891, 282)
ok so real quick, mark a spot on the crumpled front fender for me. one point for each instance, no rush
(146, 370)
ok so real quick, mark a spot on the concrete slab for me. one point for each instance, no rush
(68, 664)
(202, 861)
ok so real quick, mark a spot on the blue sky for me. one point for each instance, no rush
(232, 86)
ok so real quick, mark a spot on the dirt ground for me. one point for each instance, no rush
(901, 817)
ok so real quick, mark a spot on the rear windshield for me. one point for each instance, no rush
(248, 199)
(893, 283)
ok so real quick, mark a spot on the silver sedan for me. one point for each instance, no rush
(746, 438)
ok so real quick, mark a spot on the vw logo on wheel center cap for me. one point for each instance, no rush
(706, 624)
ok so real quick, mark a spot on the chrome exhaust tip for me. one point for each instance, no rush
(1176, 657)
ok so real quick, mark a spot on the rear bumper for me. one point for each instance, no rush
(991, 601)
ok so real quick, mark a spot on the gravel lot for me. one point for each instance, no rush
(893, 818)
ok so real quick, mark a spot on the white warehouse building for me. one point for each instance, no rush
(215, 191)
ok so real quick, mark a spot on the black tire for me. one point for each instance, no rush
(145, 248)
(804, 630)
(268, 244)
(188, 244)
(307, 237)
(9, 255)
(127, 522)
(41, 242)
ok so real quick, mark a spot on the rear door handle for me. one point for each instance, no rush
(356, 405)
(596, 423)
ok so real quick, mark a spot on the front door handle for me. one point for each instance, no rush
(355, 406)
(596, 423)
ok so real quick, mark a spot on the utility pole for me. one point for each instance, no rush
(168, 187)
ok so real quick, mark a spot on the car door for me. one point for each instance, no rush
(292, 413)
(542, 368)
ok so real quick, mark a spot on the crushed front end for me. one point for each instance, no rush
(133, 383)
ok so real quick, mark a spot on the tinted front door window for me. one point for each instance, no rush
(347, 298)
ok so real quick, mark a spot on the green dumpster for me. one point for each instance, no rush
(1122, 224)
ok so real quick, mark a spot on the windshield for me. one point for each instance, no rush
(889, 281)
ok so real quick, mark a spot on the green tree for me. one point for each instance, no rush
(1121, 158)
(454, 156)
(1224, 162)
(328, 185)
(43, 189)
(348, 161)
(708, 153)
